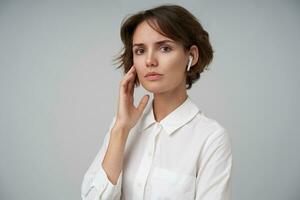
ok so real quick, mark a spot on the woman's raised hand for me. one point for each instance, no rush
(128, 114)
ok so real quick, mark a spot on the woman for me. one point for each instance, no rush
(170, 149)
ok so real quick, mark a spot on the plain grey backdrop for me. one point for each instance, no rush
(59, 91)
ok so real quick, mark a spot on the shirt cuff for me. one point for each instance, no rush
(105, 186)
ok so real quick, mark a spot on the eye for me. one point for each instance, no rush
(137, 51)
(167, 49)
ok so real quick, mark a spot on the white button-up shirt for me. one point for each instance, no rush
(184, 156)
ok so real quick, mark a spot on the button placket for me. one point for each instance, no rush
(146, 163)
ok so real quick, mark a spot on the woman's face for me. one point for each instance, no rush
(167, 58)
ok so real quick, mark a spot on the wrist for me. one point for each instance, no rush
(120, 131)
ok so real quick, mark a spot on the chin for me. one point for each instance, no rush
(153, 87)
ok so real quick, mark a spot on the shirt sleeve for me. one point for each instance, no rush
(214, 174)
(95, 184)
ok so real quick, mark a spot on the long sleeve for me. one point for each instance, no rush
(95, 184)
(214, 174)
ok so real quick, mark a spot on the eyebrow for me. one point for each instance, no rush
(157, 43)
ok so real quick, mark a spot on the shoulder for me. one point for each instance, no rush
(209, 129)
(202, 123)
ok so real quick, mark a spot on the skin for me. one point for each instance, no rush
(169, 91)
(169, 59)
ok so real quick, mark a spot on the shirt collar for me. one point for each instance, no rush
(174, 120)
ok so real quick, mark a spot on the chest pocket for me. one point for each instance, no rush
(170, 185)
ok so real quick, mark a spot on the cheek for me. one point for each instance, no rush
(176, 68)
(139, 72)
(137, 62)
(176, 60)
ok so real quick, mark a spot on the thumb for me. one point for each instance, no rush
(143, 103)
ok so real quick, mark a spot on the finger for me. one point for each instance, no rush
(125, 82)
(131, 70)
(131, 87)
(143, 103)
(132, 80)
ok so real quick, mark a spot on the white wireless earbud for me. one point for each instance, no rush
(190, 63)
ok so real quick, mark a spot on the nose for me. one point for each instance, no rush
(151, 60)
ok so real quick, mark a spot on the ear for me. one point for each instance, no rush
(195, 53)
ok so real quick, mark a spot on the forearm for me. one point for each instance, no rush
(113, 159)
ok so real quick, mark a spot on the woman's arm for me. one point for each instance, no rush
(104, 177)
(96, 183)
(113, 160)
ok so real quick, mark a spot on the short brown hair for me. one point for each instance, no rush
(172, 21)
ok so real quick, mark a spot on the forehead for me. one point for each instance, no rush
(144, 33)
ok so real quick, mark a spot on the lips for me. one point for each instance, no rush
(152, 74)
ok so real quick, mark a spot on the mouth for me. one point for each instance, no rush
(152, 74)
(153, 77)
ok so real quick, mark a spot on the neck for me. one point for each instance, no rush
(165, 103)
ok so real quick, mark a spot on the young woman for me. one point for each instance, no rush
(169, 149)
